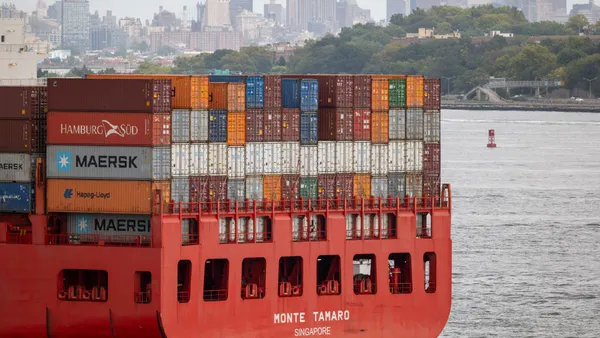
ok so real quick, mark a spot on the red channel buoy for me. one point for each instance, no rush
(491, 138)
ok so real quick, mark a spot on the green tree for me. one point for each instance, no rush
(577, 23)
(151, 68)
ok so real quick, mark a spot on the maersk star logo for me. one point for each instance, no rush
(63, 161)
(83, 224)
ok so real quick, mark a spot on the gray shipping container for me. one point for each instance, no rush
(161, 163)
(397, 185)
(236, 190)
(180, 126)
(379, 187)
(254, 188)
(199, 126)
(97, 162)
(180, 189)
(15, 167)
(397, 124)
(432, 126)
(108, 225)
(414, 124)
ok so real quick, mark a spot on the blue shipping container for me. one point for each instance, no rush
(217, 126)
(309, 128)
(255, 92)
(309, 98)
(15, 197)
(226, 78)
(290, 93)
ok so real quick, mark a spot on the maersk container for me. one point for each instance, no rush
(290, 157)
(309, 95)
(217, 188)
(217, 126)
(236, 190)
(255, 92)
(236, 162)
(362, 157)
(272, 158)
(290, 124)
(309, 128)
(272, 125)
(255, 125)
(16, 167)
(344, 157)
(198, 159)
(199, 189)
(397, 156)
(290, 187)
(180, 189)
(397, 185)
(180, 126)
(97, 162)
(309, 161)
(199, 126)
(15, 197)
(414, 156)
(290, 93)
(161, 163)
(326, 157)
(217, 159)
(397, 124)
(180, 159)
(109, 227)
(379, 159)
(414, 124)
(397, 93)
(379, 187)
(432, 126)
(226, 78)
(255, 159)
(254, 188)
(414, 184)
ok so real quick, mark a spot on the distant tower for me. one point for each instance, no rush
(185, 19)
(216, 13)
(41, 9)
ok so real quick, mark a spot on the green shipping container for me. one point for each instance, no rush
(397, 93)
(308, 188)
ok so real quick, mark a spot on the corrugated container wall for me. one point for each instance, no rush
(236, 129)
(217, 159)
(326, 186)
(161, 163)
(180, 126)
(290, 124)
(236, 97)
(380, 94)
(290, 157)
(180, 189)
(236, 162)
(397, 156)
(272, 125)
(236, 190)
(217, 126)
(344, 186)
(255, 159)
(431, 159)
(255, 92)
(273, 91)
(290, 187)
(380, 127)
(217, 96)
(254, 188)
(161, 129)
(414, 184)
(272, 187)
(255, 125)
(379, 187)
(414, 91)
(308, 187)
(16, 136)
(336, 91)
(309, 128)
(309, 95)
(180, 159)
(326, 157)
(431, 185)
(397, 185)
(397, 93)
(336, 124)
(362, 124)
(39, 131)
(105, 95)
(110, 225)
(217, 188)
(431, 94)
(344, 157)
(362, 185)
(362, 157)
(308, 161)
(99, 196)
(414, 156)
(16, 197)
(414, 124)
(272, 158)
(432, 127)
(290, 93)
(19, 102)
(362, 91)
(199, 126)
(397, 124)
(15, 167)
(379, 159)
(199, 189)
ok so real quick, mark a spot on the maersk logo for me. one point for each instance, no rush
(63, 161)
(68, 193)
(83, 224)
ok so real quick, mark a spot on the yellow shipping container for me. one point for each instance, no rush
(236, 129)
(362, 185)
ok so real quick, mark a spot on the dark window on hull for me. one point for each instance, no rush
(254, 272)
(328, 275)
(429, 267)
(189, 232)
(184, 281)
(290, 277)
(423, 225)
(216, 279)
(143, 287)
(365, 274)
(400, 273)
(83, 285)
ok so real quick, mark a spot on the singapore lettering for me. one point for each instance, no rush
(318, 317)
(106, 129)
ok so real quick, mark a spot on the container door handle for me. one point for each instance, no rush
(173, 91)
(210, 97)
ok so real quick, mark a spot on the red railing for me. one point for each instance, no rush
(142, 297)
(398, 288)
(215, 295)
(389, 233)
(99, 240)
(365, 287)
(245, 237)
(309, 235)
(190, 239)
(423, 232)
(183, 296)
(19, 237)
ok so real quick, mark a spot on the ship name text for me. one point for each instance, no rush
(316, 316)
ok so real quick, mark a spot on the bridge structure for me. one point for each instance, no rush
(489, 90)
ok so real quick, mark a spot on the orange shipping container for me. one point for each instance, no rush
(362, 185)
(98, 196)
(380, 93)
(236, 129)
(414, 91)
(272, 187)
(188, 91)
(217, 96)
(380, 127)
(236, 96)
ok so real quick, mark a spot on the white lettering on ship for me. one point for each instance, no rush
(106, 129)
(317, 316)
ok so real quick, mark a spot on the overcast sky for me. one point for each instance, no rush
(146, 8)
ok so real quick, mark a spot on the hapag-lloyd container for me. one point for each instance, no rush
(272, 187)
(272, 159)
(105, 95)
(15, 197)
(414, 156)
(362, 185)
(217, 126)
(99, 196)
(217, 159)
(161, 163)
(236, 97)
(180, 189)
(431, 126)
(236, 190)
(15, 167)
(180, 159)
(180, 126)
(362, 157)
(16, 136)
(308, 187)
(20, 102)
(336, 124)
(290, 93)
(397, 125)
(272, 125)
(326, 157)
(290, 187)
(236, 129)
(290, 157)
(97, 162)
(397, 93)
(109, 225)
(414, 91)
(255, 159)
(199, 189)
(309, 95)
(336, 91)
(309, 128)
(380, 127)
(362, 124)
(290, 124)
(217, 188)
(379, 187)
(217, 96)
(397, 156)
(308, 161)
(379, 93)
(255, 92)
(431, 94)
(414, 124)
(344, 157)
(431, 159)
(255, 125)
(414, 184)
(199, 126)
(254, 188)
(362, 91)
(273, 91)
(379, 159)
(236, 162)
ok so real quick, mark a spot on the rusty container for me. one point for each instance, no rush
(380, 127)
(362, 124)
(362, 91)
(217, 96)
(431, 159)
(236, 129)
(255, 125)
(431, 94)
(336, 124)
(16, 136)
(336, 91)
(236, 97)
(272, 91)
(290, 124)
(272, 124)
(414, 91)
(290, 187)
(22, 103)
(217, 188)
(272, 187)
(379, 93)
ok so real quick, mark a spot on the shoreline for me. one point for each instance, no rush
(524, 107)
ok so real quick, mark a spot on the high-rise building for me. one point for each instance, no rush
(298, 13)
(395, 7)
(274, 12)
(76, 24)
(216, 13)
(323, 11)
(238, 6)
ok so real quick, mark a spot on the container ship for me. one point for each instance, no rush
(224, 206)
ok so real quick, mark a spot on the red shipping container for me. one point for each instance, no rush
(22, 102)
(217, 95)
(331, 186)
(199, 189)
(290, 124)
(161, 129)
(336, 91)
(362, 124)
(217, 188)
(123, 95)
(272, 91)
(290, 187)
(16, 136)
(362, 91)
(431, 185)
(255, 125)
(431, 94)
(336, 124)
(326, 186)
(272, 124)
(431, 159)
(344, 186)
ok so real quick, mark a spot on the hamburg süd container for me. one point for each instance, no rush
(15, 197)
(236, 162)
(217, 126)
(396, 156)
(362, 157)
(199, 189)
(255, 158)
(124, 228)
(308, 187)
(362, 185)
(336, 91)
(309, 95)
(397, 93)
(379, 93)
(431, 94)
(272, 187)
(336, 124)
(180, 189)
(255, 125)
(255, 92)
(16, 167)
(180, 126)
(99, 196)
(16, 136)
(326, 157)
(414, 124)
(380, 127)
(20, 103)
(431, 126)
(217, 188)
(105, 95)
(217, 159)
(272, 159)
(414, 91)
(272, 91)
(290, 157)
(397, 124)
(308, 161)
(97, 162)
(414, 156)
(309, 128)
(199, 126)
(217, 96)
(431, 159)
(254, 188)
(236, 129)
(344, 157)
(290, 93)
(379, 187)
(161, 163)
(414, 184)
(236, 190)
(431, 185)
(165, 189)
(180, 159)
(379, 159)
(290, 187)
(236, 97)
(397, 185)
(290, 124)
(115, 129)
(362, 91)
(362, 124)
(272, 125)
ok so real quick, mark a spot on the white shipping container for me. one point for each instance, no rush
(414, 155)
(254, 188)
(290, 157)
(326, 157)
(198, 159)
(396, 156)
(15, 167)
(161, 163)
(344, 157)
(180, 159)
(308, 161)
(379, 187)
(236, 162)
(180, 126)
(362, 157)
(217, 159)
(255, 159)
(272, 158)
(379, 159)
(199, 126)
